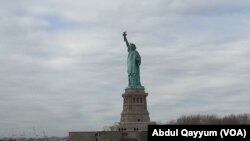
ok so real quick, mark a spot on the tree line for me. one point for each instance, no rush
(212, 120)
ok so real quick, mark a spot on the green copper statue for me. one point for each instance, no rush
(133, 64)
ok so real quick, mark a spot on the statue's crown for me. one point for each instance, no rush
(131, 44)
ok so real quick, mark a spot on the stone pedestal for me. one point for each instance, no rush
(135, 106)
(135, 115)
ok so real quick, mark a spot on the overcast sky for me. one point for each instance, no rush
(63, 63)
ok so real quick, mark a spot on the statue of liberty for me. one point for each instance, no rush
(133, 64)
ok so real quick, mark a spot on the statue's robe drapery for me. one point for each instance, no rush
(133, 62)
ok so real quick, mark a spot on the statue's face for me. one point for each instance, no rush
(133, 47)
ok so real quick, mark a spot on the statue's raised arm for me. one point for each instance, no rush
(125, 38)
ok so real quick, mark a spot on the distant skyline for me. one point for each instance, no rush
(63, 63)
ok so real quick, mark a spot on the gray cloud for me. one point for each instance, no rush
(63, 63)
